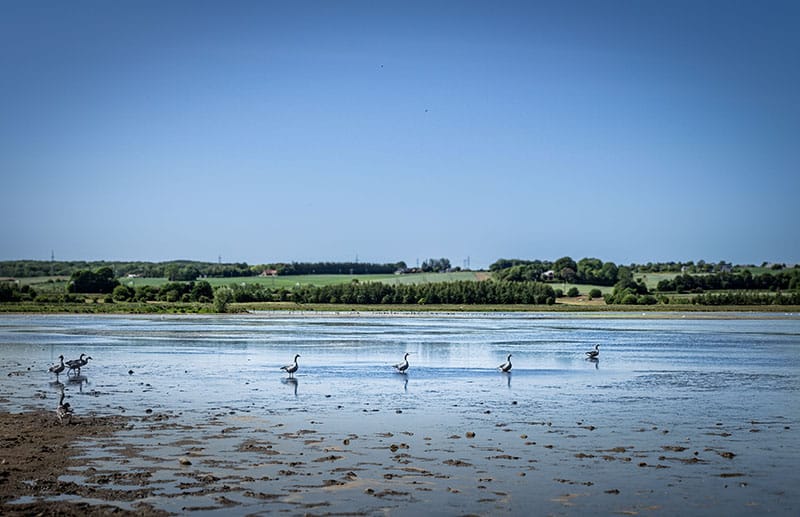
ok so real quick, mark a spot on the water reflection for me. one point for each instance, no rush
(58, 386)
(292, 382)
(80, 380)
(594, 360)
(508, 379)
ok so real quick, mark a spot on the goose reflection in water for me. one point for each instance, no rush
(596, 362)
(404, 380)
(80, 380)
(292, 382)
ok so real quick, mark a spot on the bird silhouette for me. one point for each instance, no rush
(402, 367)
(506, 366)
(58, 368)
(291, 368)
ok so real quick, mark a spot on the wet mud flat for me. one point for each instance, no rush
(193, 416)
(247, 461)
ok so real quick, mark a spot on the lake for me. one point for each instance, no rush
(687, 414)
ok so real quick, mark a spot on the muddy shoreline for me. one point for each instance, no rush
(193, 415)
(35, 450)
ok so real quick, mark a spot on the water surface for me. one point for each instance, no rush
(685, 415)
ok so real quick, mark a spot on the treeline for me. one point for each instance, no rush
(788, 279)
(747, 298)
(330, 268)
(188, 270)
(174, 269)
(364, 293)
(200, 291)
(11, 292)
(462, 292)
(585, 271)
(701, 266)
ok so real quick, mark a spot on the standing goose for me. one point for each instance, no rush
(76, 364)
(58, 368)
(63, 410)
(291, 368)
(402, 367)
(506, 366)
(593, 354)
(73, 364)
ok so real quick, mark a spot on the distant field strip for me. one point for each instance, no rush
(290, 281)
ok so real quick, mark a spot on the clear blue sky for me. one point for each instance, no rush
(630, 131)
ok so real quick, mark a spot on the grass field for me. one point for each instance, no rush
(651, 280)
(290, 281)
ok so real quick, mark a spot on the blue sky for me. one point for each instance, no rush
(631, 131)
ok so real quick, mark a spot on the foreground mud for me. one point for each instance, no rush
(35, 449)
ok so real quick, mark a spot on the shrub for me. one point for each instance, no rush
(595, 293)
(573, 292)
(122, 293)
(222, 297)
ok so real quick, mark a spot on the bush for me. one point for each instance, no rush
(595, 293)
(222, 297)
(573, 292)
(122, 293)
(647, 299)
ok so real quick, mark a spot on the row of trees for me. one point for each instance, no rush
(175, 269)
(701, 266)
(585, 271)
(747, 298)
(201, 292)
(366, 293)
(459, 292)
(788, 279)
(99, 281)
(331, 268)
(440, 265)
(11, 292)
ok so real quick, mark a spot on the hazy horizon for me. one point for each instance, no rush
(313, 131)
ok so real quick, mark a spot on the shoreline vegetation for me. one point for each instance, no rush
(588, 285)
(282, 308)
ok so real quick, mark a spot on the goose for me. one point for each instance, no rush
(63, 410)
(593, 354)
(291, 368)
(58, 368)
(79, 364)
(402, 367)
(506, 366)
(73, 363)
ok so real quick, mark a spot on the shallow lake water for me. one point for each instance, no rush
(680, 415)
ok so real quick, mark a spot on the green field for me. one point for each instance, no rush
(651, 280)
(290, 281)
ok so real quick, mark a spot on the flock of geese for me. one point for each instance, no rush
(64, 410)
(402, 367)
(73, 366)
